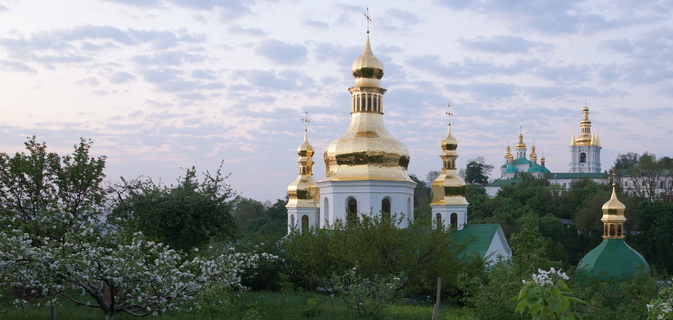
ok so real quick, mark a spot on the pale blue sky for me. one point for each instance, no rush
(164, 84)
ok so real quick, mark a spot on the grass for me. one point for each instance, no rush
(258, 305)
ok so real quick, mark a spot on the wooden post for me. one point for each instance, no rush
(435, 313)
(53, 312)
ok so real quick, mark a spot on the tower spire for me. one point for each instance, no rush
(369, 19)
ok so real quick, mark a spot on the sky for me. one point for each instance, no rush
(163, 85)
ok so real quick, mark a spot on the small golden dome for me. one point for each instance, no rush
(449, 143)
(303, 192)
(613, 216)
(367, 68)
(520, 144)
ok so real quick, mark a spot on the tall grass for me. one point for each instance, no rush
(254, 306)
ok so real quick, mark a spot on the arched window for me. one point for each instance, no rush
(304, 223)
(438, 218)
(327, 217)
(351, 211)
(612, 230)
(385, 208)
(583, 157)
(619, 230)
(605, 230)
(454, 221)
(292, 221)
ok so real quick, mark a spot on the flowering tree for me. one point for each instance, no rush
(55, 241)
(547, 296)
(662, 307)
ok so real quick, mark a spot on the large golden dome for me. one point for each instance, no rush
(366, 151)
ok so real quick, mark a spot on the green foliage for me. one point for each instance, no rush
(546, 299)
(188, 215)
(661, 308)
(368, 296)
(477, 171)
(378, 246)
(655, 243)
(39, 183)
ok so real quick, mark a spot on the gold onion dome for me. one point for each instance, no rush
(303, 192)
(449, 187)
(613, 217)
(366, 151)
(520, 144)
(367, 68)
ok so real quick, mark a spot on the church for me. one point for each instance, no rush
(366, 173)
(585, 161)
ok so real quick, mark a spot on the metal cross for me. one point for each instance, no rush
(448, 113)
(369, 20)
(305, 120)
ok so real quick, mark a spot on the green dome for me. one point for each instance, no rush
(534, 168)
(511, 168)
(612, 258)
(522, 161)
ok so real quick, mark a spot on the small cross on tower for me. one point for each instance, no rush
(448, 113)
(369, 20)
(306, 120)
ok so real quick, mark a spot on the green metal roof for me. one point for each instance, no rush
(522, 161)
(612, 258)
(477, 237)
(502, 182)
(569, 175)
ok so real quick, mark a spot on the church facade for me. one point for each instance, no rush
(367, 174)
(585, 161)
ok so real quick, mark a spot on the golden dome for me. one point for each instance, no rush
(585, 137)
(367, 68)
(303, 192)
(366, 151)
(613, 216)
(520, 144)
(449, 187)
(533, 155)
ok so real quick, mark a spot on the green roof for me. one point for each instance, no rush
(612, 258)
(569, 175)
(478, 238)
(522, 161)
(502, 182)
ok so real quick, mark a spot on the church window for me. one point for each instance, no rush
(376, 103)
(292, 221)
(385, 208)
(304, 223)
(583, 157)
(351, 211)
(439, 219)
(369, 102)
(454, 221)
(612, 230)
(619, 230)
(326, 210)
(605, 230)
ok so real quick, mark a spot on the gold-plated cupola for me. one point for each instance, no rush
(613, 215)
(449, 188)
(586, 137)
(366, 151)
(303, 192)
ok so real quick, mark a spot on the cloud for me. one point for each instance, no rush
(281, 52)
(396, 20)
(255, 32)
(315, 24)
(204, 74)
(139, 3)
(565, 74)
(168, 58)
(3, 8)
(284, 80)
(172, 80)
(504, 44)
(469, 68)
(480, 91)
(616, 45)
(563, 17)
(15, 66)
(121, 77)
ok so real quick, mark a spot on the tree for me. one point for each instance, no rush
(188, 215)
(477, 171)
(55, 240)
(626, 160)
